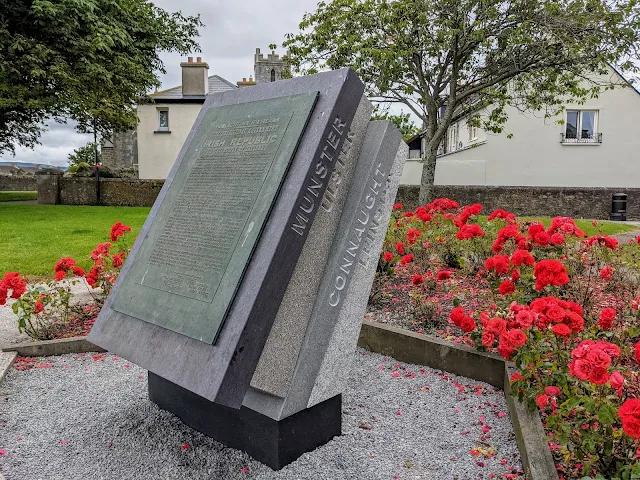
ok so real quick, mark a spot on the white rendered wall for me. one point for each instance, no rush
(157, 152)
(535, 156)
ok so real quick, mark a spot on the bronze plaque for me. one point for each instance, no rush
(192, 261)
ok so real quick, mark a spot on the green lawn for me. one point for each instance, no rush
(34, 237)
(604, 227)
(17, 196)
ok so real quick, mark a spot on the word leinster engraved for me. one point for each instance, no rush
(209, 224)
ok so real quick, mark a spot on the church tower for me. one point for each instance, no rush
(268, 69)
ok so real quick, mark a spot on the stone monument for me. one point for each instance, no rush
(245, 291)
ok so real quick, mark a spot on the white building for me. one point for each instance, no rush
(167, 119)
(597, 145)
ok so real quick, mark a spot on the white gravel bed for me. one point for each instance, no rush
(87, 416)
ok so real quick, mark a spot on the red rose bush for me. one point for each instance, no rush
(45, 310)
(562, 306)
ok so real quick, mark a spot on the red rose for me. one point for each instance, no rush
(542, 238)
(443, 275)
(616, 381)
(417, 279)
(487, 339)
(388, 256)
(116, 261)
(498, 263)
(629, 413)
(522, 257)
(525, 319)
(550, 272)
(636, 352)
(406, 259)
(556, 314)
(542, 401)
(552, 391)
(468, 324)
(610, 349)
(38, 307)
(607, 273)
(118, 230)
(607, 315)
(515, 275)
(456, 315)
(397, 206)
(581, 369)
(60, 275)
(561, 330)
(78, 271)
(557, 239)
(517, 338)
(400, 248)
(599, 375)
(506, 288)
(497, 326)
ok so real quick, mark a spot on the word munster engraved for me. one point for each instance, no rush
(208, 226)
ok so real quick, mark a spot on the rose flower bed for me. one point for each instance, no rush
(45, 311)
(560, 305)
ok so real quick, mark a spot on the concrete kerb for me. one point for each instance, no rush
(411, 347)
(6, 360)
(46, 348)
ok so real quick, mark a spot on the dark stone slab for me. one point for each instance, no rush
(274, 443)
(222, 372)
(191, 262)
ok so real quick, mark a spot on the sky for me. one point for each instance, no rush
(228, 42)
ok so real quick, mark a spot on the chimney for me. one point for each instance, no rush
(195, 77)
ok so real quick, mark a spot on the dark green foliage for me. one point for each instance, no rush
(89, 60)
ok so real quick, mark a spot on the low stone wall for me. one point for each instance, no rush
(577, 202)
(56, 189)
(10, 183)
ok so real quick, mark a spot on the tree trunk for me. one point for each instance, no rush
(428, 176)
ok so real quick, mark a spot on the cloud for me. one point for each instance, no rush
(232, 32)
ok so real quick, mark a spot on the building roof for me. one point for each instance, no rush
(216, 84)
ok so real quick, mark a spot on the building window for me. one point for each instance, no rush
(473, 133)
(452, 138)
(163, 119)
(273, 74)
(581, 126)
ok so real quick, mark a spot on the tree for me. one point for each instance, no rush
(449, 59)
(85, 154)
(89, 60)
(402, 121)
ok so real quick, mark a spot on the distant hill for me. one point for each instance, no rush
(13, 168)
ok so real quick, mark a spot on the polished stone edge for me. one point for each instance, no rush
(274, 443)
(410, 347)
(60, 346)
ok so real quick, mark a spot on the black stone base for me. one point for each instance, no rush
(274, 443)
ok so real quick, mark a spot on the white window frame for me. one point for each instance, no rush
(160, 128)
(473, 133)
(579, 139)
(452, 138)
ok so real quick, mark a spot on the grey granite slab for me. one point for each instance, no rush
(358, 224)
(332, 377)
(280, 354)
(222, 372)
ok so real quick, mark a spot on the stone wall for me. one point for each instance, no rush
(11, 183)
(578, 202)
(55, 189)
